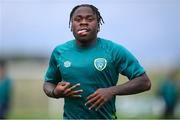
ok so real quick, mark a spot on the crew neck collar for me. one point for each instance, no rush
(86, 47)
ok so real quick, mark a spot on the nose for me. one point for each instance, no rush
(83, 22)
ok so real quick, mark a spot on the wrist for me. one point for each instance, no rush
(53, 94)
(113, 91)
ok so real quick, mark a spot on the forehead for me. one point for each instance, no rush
(83, 11)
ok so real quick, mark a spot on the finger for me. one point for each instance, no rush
(64, 84)
(74, 92)
(92, 100)
(76, 96)
(75, 86)
(91, 96)
(68, 90)
(99, 106)
(98, 102)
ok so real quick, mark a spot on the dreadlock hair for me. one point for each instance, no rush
(94, 9)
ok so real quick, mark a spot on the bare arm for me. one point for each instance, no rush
(61, 90)
(49, 89)
(134, 86)
(102, 95)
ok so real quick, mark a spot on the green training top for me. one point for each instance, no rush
(97, 66)
(5, 90)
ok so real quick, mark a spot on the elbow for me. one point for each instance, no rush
(44, 89)
(148, 85)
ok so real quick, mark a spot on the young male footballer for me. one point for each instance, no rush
(85, 71)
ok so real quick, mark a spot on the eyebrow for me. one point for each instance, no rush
(85, 16)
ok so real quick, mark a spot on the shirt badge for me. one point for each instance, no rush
(100, 63)
(67, 64)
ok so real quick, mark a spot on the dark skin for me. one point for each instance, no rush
(84, 18)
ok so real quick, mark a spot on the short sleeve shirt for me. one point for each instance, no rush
(94, 67)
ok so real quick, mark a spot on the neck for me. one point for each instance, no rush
(84, 43)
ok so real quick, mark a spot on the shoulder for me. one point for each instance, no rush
(64, 47)
(109, 45)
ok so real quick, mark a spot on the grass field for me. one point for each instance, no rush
(28, 100)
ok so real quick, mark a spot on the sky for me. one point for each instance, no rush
(150, 29)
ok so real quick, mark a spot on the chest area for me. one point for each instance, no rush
(83, 63)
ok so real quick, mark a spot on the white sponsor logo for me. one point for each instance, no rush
(67, 64)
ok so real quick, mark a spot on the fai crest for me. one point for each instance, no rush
(100, 63)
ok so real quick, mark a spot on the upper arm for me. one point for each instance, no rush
(127, 64)
(53, 74)
(144, 81)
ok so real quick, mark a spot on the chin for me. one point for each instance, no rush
(83, 40)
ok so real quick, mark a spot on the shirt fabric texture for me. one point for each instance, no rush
(96, 66)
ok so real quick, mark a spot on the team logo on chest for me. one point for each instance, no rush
(100, 63)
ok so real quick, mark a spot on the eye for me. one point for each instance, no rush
(77, 19)
(90, 19)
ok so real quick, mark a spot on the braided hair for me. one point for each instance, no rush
(94, 9)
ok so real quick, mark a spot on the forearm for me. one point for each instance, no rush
(137, 85)
(49, 89)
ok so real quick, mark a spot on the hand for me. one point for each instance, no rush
(99, 98)
(63, 89)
